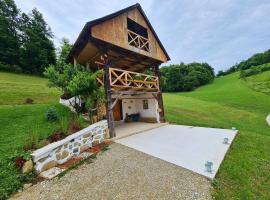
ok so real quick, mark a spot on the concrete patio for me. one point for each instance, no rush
(185, 146)
(123, 129)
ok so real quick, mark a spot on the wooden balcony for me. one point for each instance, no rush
(138, 41)
(123, 80)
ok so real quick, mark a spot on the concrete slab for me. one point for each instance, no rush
(185, 146)
(127, 129)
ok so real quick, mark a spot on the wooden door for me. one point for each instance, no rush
(117, 111)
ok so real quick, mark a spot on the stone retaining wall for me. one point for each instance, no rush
(61, 151)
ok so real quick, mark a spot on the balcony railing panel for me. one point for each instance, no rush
(127, 80)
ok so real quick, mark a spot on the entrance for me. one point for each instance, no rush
(117, 111)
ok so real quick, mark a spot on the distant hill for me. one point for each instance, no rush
(255, 60)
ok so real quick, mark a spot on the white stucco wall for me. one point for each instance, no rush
(132, 106)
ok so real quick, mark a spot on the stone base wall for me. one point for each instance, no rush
(61, 151)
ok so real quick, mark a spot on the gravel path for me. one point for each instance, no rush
(123, 173)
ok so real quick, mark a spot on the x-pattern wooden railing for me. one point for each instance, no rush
(138, 41)
(127, 80)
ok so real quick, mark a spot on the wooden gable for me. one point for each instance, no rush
(115, 31)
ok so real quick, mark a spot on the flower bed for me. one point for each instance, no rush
(61, 151)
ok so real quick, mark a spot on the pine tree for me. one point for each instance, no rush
(9, 38)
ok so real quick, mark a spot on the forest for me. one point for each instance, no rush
(258, 59)
(26, 43)
(186, 77)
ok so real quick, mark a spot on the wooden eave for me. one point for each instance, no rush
(85, 37)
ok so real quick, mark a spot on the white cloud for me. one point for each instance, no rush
(218, 32)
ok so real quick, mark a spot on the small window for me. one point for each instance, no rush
(137, 35)
(145, 104)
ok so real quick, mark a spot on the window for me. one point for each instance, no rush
(137, 35)
(145, 104)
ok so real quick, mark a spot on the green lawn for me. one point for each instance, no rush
(259, 82)
(19, 120)
(226, 103)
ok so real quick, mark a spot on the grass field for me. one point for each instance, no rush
(226, 103)
(259, 82)
(19, 120)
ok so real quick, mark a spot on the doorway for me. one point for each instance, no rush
(117, 111)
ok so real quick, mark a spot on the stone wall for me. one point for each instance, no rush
(61, 151)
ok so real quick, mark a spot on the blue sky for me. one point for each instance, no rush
(221, 33)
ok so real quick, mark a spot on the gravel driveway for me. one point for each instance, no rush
(123, 173)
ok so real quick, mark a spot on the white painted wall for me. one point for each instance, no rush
(132, 106)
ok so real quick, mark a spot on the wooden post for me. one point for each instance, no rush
(159, 96)
(107, 86)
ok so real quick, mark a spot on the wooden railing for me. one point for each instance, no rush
(127, 80)
(138, 41)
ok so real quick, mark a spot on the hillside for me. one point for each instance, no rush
(19, 121)
(226, 103)
(259, 82)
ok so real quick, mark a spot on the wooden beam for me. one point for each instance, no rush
(116, 100)
(159, 96)
(107, 87)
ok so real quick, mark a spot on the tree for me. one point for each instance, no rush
(63, 51)
(186, 77)
(37, 50)
(76, 81)
(9, 38)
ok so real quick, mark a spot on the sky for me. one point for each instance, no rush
(219, 32)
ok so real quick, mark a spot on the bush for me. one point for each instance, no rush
(255, 70)
(32, 140)
(28, 101)
(51, 115)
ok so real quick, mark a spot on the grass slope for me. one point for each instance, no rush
(259, 82)
(18, 121)
(226, 103)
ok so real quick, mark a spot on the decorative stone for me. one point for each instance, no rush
(58, 149)
(95, 142)
(76, 150)
(65, 145)
(70, 147)
(62, 155)
(48, 165)
(43, 159)
(27, 167)
(87, 135)
(77, 144)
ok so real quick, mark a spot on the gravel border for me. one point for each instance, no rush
(123, 173)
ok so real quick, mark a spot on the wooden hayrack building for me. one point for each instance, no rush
(124, 44)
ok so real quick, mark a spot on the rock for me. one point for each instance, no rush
(51, 173)
(27, 166)
(62, 155)
(48, 165)
(27, 185)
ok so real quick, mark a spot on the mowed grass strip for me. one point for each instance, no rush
(226, 103)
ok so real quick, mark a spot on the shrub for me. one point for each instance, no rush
(32, 140)
(56, 136)
(28, 101)
(51, 115)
